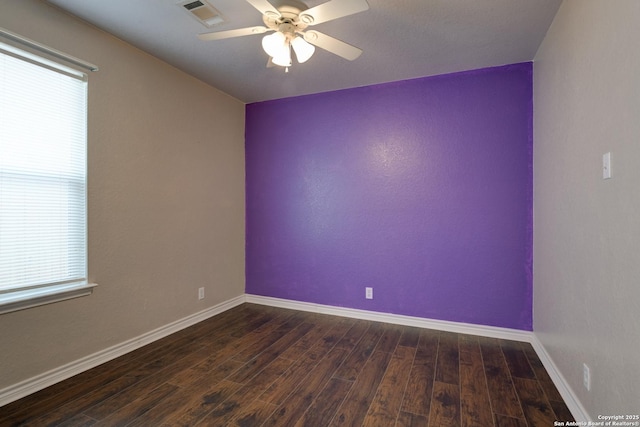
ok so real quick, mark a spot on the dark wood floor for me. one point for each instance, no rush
(263, 366)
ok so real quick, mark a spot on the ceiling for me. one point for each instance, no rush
(400, 39)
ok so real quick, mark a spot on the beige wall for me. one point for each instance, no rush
(587, 230)
(166, 200)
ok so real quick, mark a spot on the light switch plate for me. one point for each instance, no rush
(606, 165)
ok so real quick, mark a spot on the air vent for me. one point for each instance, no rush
(202, 11)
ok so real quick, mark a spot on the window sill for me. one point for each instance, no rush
(19, 300)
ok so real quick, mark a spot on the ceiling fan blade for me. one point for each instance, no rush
(219, 35)
(333, 9)
(332, 45)
(264, 7)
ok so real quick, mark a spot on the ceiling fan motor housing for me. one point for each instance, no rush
(288, 22)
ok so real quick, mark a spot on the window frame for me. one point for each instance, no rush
(32, 296)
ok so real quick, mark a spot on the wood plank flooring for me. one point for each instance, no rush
(264, 366)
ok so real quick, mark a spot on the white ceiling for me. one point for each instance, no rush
(401, 39)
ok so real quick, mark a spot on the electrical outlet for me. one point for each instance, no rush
(368, 293)
(200, 293)
(586, 377)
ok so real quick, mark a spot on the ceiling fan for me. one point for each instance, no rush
(289, 22)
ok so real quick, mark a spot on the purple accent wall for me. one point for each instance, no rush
(421, 189)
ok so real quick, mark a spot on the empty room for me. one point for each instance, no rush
(319, 213)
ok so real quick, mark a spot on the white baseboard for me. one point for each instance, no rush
(420, 322)
(573, 403)
(39, 382)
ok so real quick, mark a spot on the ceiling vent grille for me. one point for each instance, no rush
(203, 12)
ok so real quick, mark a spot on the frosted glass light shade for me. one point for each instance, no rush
(275, 44)
(303, 50)
(283, 59)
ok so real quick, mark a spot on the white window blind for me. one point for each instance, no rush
(43, 127)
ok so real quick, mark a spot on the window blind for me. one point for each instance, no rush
(43, 122)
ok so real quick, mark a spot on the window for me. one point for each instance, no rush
(43, 203)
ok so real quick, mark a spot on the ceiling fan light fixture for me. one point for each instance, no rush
(303, 50)
(275, 44)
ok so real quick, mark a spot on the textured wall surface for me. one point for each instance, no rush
(587, 230)
(166, 200)
(421, 189)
